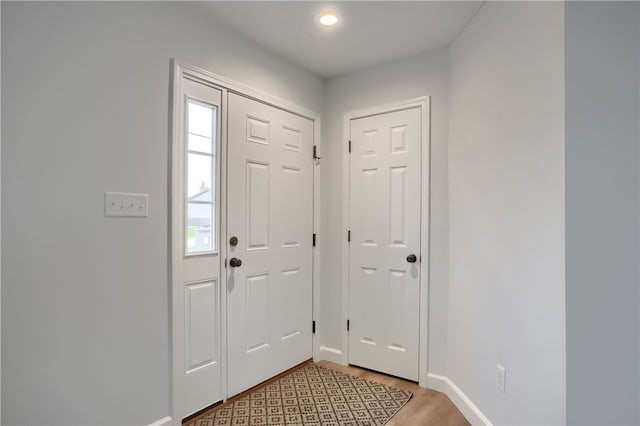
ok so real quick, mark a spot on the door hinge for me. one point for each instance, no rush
(349, 147)
(313, 327)
(347, 325)
(314, 240)
(315, 153)
(225, 262)
(349, 236)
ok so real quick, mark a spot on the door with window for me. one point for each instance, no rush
(241, 241)
(197, 284)
(384, 252)
(269, 227)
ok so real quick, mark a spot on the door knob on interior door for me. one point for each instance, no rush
(235, 262)
(412, 258)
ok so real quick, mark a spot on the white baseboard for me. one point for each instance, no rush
(459, 399)
(330, 354)
(165, 421)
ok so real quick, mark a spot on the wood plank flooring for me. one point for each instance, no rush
(425, 408)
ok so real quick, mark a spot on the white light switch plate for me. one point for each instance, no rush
(501, 378)
(121, 204)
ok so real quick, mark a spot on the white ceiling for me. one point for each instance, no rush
(368, 33)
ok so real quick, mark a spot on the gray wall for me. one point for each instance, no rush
(506, 203)
(602, 108)
(85, 110)
(425, 74)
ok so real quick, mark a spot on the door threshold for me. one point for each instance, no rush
(202, 412)
(383, 373)
(268, 381)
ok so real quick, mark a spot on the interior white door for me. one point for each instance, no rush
(196, 292)
(270, 212)
(384, 272)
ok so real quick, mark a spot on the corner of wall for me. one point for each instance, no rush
(506, 212)
(165, 421)
(468, 409)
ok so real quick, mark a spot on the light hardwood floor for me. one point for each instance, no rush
(425, 408)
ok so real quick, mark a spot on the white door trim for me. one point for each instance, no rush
(424, 104)
(180, 70)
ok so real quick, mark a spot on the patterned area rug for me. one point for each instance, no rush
(312, 396)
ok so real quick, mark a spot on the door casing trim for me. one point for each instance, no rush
(180, 70)
(424, 103)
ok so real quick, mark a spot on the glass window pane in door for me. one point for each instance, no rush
(200, 143)
(200, 177)
(200, 119)
(200, 228)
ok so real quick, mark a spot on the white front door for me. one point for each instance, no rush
(197, 367)
(384, 265)
(270, 213)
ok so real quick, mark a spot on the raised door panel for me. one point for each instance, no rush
(368, 203)
(257, 211)
(398, 206)
(256, 312)
(258, 130)
(293, 188)
(292, 316)
(201, 319)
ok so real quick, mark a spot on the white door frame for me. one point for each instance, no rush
(424, 104)
(180, 70)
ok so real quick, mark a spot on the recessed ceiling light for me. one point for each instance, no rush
(328, 19)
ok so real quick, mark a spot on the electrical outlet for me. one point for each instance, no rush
(501, 378)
